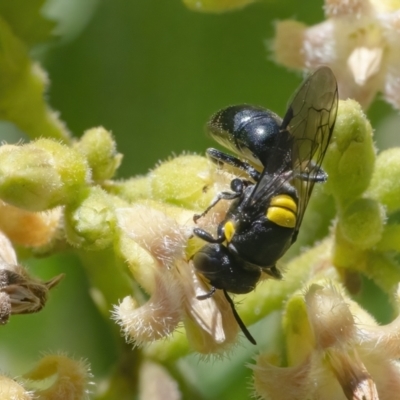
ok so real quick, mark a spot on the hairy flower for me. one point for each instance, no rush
(11, 389)
(338, 351)
(71, 378)
(156, 240)
(360, 41)
(153, 242)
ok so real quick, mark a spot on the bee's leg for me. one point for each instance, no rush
(207, 295)
(237, 186)
(317, 174)
(207, 237)
(238, 319)
(273, 271)
(221, 196)
(220, 158)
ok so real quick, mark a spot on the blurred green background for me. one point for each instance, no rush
(152, 72)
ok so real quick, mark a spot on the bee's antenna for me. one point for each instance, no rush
(238, 320)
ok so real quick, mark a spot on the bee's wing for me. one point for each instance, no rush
(302, 142)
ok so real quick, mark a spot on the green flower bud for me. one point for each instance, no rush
(41, 174)
(99, 148)
(350, 158)
(90, 224)
(390, 240)
(385, 183)
(315, 225)
(184, 181)
(70, 165)
(385, 273)
(362, 222)
(299, 337)
(130, 190)
(27, 178)
(346, 254)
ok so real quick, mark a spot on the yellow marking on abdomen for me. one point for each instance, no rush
(285, 201)
(229, 230)
(282, 211)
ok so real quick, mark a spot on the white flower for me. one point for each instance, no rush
(360, 41)
(336, 351)
(153, 240)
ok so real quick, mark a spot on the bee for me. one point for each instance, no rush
(282, 159)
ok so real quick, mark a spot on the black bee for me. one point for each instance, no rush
(283, 161)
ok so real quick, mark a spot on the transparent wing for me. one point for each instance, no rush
(303, 140)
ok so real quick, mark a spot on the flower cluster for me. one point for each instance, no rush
(148, 223)
(360, 41)
(135, 236)
(157, 242)
(335, 350)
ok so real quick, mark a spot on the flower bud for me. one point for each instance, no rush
(390, 238)
(185, 181)
(41, 175)
(299, 336)
(346, 254)
(28, 228)
(99, 148)
(90, 222)
(385, 183)
(350, 158)
(71, 377)
(130, 190)
(362, 223)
